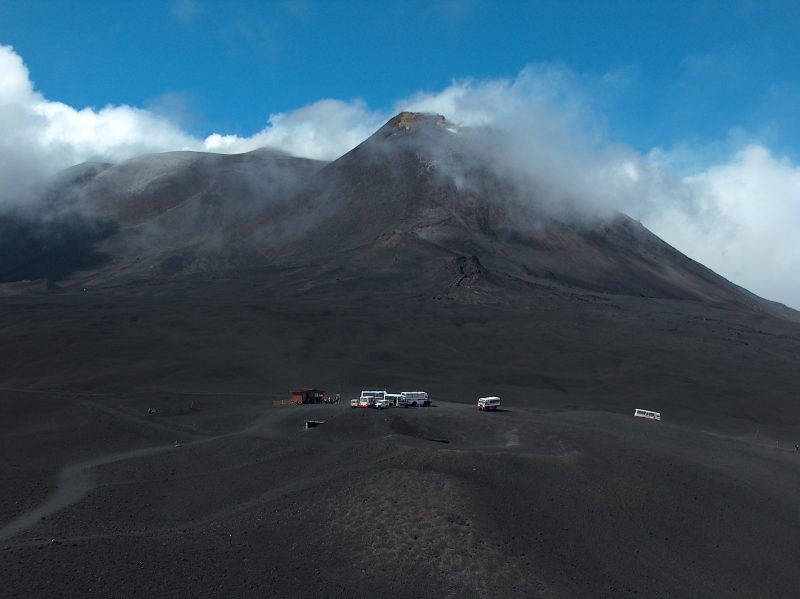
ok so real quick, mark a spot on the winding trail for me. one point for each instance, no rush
(75, 481)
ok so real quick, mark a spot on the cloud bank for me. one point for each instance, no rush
(736, 216)
(41, 136)
(739, 217)
(743, 222)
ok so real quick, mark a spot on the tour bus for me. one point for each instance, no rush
(647, 414)
(368, 398)
(393, 398)
(416, 398)
(488, 403)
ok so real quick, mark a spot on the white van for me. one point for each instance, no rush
(382, 404)
(638, 413)
(416, 398)
(368, 398)
(488, 403)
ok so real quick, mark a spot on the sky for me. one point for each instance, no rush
(681, 114)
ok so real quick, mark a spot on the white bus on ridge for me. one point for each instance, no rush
(488, 403)
(647, 414)
(415, 398)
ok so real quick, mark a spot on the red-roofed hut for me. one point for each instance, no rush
(307, 395)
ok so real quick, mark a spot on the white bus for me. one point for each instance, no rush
(488, 403)
(394, 398)
(416, 398)
(647, 414)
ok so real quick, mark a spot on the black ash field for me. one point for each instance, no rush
(206, 287)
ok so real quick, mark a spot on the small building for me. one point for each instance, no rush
(307, 395)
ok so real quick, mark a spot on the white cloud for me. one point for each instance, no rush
(323, 130)
(553, 141)
(736, 216)
(187, 12)
(41, 137)
(551, 95)
(745, 222)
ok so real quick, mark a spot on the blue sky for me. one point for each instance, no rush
(684, 112)
(666, 72)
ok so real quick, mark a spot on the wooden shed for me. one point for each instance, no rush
(307, 395)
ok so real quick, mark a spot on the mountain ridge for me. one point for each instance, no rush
(417, 189)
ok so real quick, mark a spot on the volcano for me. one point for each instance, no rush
(418, 200)
(176, 296)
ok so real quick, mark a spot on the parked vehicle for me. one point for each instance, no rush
(365, 402)
(382, 404)
(488, 404)
(647, 414)
(392, 398)
(416, 398)
(353, 403)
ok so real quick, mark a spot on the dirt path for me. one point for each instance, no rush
(74, 482)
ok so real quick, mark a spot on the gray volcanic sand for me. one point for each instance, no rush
(443, 501)
(562, 494)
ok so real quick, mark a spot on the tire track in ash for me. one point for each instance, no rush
(226, 513)
(75, 481)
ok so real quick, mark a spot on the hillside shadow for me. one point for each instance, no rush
(51, 248)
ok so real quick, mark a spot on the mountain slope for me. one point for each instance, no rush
(196, 290)
(419, 193)
(418, 201)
